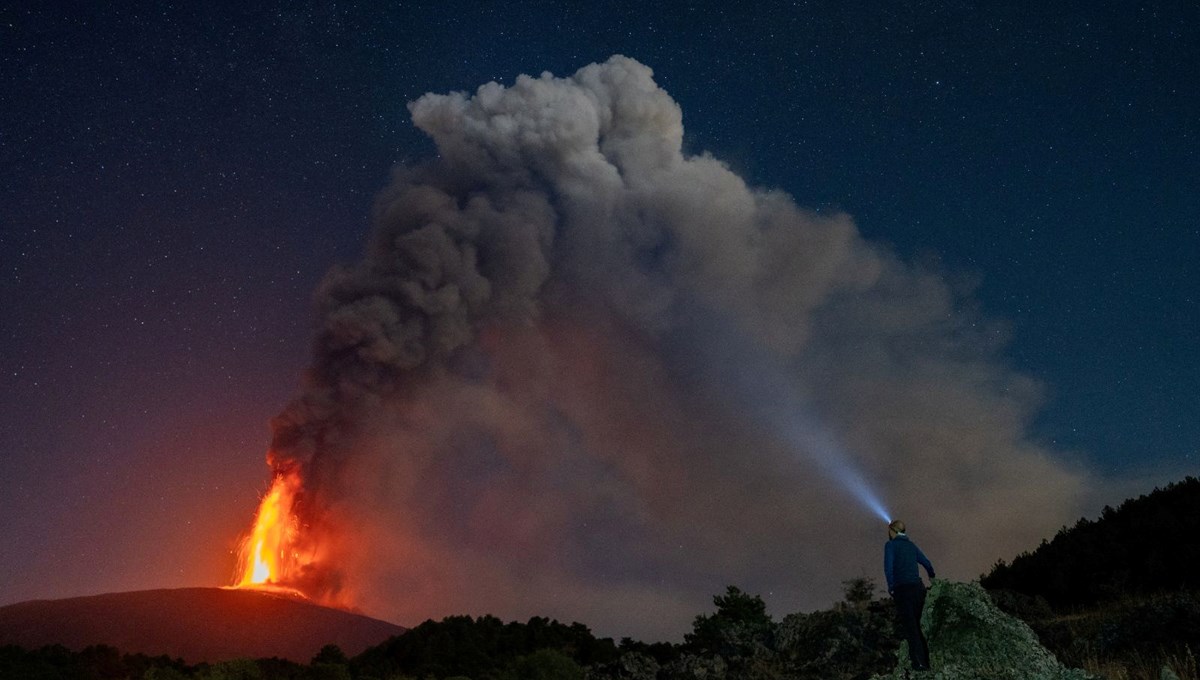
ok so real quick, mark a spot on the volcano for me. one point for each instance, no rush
(195, 624)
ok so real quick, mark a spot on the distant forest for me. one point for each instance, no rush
(1148, 545)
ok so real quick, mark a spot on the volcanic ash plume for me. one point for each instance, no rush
(582, 374)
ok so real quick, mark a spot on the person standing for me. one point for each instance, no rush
(900, 559)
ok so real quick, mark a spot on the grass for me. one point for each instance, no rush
(1143, 666)
(1078, 640)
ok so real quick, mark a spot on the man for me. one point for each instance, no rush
(900, 559)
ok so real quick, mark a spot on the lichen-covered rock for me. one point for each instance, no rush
(970, 639)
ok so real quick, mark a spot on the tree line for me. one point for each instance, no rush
(1147, 545)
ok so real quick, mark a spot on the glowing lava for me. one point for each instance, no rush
(270, 554)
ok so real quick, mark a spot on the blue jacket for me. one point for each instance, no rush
(900, 559)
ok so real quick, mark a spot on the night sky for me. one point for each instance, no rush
(175, 180)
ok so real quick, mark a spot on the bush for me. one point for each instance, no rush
(236, 669)
(739, 627)
(855, 639)
(546, 664)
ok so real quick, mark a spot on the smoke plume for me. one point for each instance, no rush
(582, 374)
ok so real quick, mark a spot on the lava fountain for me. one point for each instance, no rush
(271, 557)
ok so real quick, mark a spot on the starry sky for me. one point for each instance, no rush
(176, 178)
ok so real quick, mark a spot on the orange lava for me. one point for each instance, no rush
(270, 554)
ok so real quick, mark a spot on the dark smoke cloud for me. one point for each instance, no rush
(559, 383)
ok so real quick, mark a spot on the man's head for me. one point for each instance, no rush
(895, 528)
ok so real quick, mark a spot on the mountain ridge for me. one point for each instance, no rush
(195, 624)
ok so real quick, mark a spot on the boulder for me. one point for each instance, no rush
(970, 638)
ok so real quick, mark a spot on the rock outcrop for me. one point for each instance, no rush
(970, 638)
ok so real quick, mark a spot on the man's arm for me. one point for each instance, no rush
(924, 562)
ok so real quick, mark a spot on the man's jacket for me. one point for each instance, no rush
(900, 559)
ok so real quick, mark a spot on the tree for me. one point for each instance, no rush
(739, 627)
(547, 664)
(859, 592)
(1147, 545)
(235, 669)
(329, 664)
(854, 639)
(331, 654)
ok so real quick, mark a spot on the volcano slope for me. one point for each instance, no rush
(195, 624)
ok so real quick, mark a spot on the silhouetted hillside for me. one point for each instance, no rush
(1149, 544)
(196, 624)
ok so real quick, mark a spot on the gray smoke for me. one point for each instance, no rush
(560, 382)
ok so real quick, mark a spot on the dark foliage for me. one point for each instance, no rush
(736, 642)
(93, 663)
(282, 669)
(1148, 545)
(1137, 635)
(482, 649)
(546, 664)
(1162, 622)
(1116, 592)
(739, 627)
(660, 652)
(854, 640)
